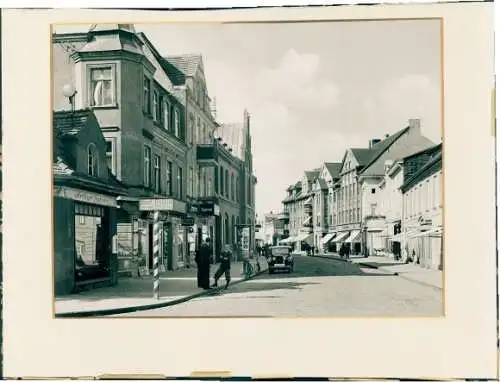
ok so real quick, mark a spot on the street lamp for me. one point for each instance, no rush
(69, 92)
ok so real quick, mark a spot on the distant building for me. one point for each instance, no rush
(298, 205)
(422, 225)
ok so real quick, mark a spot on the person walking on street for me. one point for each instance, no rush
(203, 262)
(224, 266)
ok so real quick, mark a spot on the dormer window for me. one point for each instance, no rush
(92, 160)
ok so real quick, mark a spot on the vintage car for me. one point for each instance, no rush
(280, 259)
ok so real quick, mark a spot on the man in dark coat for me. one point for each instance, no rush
(224, 266)
(203, 264)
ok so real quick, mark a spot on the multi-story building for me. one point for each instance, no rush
(187, 75)
(390, 205)
(421, 236)
(326, 205)
(119, 75)
(403, 143)
(298, 210)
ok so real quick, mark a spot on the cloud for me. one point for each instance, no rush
(297, 83)
(411, 96)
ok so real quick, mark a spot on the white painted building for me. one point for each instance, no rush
(422, 222)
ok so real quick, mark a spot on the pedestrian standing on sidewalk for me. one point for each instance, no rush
(224, 266)
(203, 262)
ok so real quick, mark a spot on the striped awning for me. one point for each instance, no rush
(325, 239)
(353, 237)
(340, 237)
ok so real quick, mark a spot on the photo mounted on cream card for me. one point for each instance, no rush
(316, 184)
(248, 170)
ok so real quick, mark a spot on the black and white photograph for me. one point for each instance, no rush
(248, 170)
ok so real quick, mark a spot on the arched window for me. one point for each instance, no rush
(226, 177)
(93, 160)
(233, 224)
(177, 123)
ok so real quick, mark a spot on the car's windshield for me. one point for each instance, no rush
(279, 251)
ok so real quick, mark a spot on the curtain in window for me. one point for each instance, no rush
(102, 91)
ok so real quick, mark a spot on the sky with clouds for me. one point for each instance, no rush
(313, 89)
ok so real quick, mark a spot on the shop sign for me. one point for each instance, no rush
(84, 196)
(188, 221)
(162, 204)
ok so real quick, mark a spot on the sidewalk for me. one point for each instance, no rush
(412, 272)
(132, 294)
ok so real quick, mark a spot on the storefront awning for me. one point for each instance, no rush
(303, 237)
(340, 237)
(353, 237)
(433, 232)
(287, 240)
(325, 239)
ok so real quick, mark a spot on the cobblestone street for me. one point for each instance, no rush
(318, 287)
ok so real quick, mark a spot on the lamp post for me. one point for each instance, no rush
(69, 92)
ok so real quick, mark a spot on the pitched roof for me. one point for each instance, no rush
(298, 185)
(333, 168)
(112, 27)
(429, 150)
(70, 122)
(362, 155)
(322, 183)
(312, 174)
(381, 147)
(421, 173)
(186, 63)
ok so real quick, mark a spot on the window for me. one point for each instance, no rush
(373, 208)
(198, 130)
(81, 219)
(236, 190)
(156, 179)
(191, 181)
(226, 185)
(166, 114)
(179, 182)
(221, 188)
(191, 132)
(168, 178)
(156, 107)
(203, 185)
(232, 187)
(93, 160)
(209, 187)
(147, 166)
(110, 155)
(373, 190)
(177, 121)
(147, 95)
(101, 87)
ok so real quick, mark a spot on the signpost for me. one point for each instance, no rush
(156, 255)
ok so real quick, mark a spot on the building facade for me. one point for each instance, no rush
(187, 74)
(85, 204)
(422, 223)
(381, 155)
(117, 74)
(298, 209)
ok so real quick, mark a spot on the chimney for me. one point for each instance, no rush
(373, 142)
(414, 123)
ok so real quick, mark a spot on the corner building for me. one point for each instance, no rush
(119, 75)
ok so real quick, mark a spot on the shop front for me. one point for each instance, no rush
(84, 238)
(172, 234)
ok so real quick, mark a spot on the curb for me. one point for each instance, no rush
(138, 308)
(368, 265)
